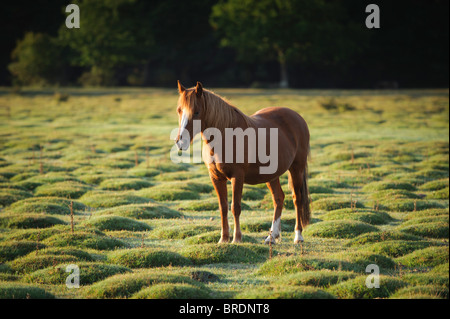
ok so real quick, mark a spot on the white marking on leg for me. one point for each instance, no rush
(275, 231)
(298, 237)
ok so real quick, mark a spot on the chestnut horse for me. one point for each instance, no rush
(291, 142)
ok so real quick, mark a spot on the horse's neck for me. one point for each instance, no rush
(236, 119)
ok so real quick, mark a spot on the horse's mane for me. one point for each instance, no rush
(220, 113)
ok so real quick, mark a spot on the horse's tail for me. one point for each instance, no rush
(305, 215)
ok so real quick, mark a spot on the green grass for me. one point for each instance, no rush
(90, 272)
(29, 221)
(84, 239)
(147, 258)
(271, 292)
(427, 257)
(116, 223)
(172, 291)
(22, 291)
(14, 249)
(111, 199)
(124, 184)
(365, 216)
(338, 229)
(126, 285)
(316, 278)
(356, 288)
(67, 189)
(378, 186)
(141, 211)
(233, 253)
(180, 231)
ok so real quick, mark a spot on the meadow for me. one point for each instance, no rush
(86, 179)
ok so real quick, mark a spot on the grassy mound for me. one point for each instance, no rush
(383, 185)
(356, 288)
(13, 249)
(317, 278)
(116, 223)
(427, 257)
(11, 195)
(111, 199)
(180, 232)
(361, 258)
(281, 265)
(30, 181)
(10, 290)
(408, 205)
(333, 203)
(142, 211)
(90, 272)
(35, 234)
(365, 216)
(172, 291)
(167, 192)
(33, 262)
(28, 221)
(391, 194)
(338, 229)
(229, 253)
(379, 236)
(118, 184)
(67, 189)
(439, 194)
(437, 229)
(200, 205)
(435, 185)
(49, 205)
(396, 248)
(84, 239)
(282, 292)
(430, 278)
(125, 285)
(146, 258)
(421, 292)
(441, 269)
(48, 257)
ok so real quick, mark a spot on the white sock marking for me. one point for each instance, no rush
(298, 237)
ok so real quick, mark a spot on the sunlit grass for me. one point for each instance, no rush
(145, 227)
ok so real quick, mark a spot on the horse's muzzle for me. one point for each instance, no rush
(182, 144)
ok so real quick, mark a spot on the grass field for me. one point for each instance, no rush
(144, 227)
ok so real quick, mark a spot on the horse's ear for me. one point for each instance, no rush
(181, 88)
(199, 89)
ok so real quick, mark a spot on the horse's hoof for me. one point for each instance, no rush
(269, 240)
(224, 241)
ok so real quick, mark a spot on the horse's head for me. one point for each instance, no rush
(190, 107)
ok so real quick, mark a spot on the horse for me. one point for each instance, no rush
(199, 105)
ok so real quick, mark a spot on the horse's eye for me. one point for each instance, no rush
(196, 113)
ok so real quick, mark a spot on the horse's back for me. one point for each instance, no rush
(282, 118)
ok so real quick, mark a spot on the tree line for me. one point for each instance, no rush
(257, 43)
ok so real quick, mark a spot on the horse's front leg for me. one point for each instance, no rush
(221, 189)
(237, 184)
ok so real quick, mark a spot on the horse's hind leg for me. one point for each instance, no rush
(298, 183)
(278, 199)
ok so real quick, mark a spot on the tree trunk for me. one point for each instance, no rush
(284, 80)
